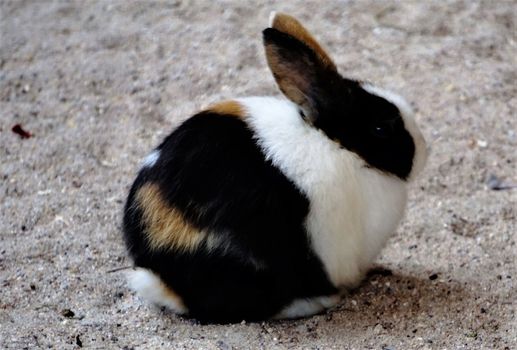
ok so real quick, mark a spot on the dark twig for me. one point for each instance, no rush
(119, 269)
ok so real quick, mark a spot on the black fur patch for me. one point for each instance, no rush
(213, 172)
(368, 125)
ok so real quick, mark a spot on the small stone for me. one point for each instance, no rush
(378, 329)
(67, 313)
(493, 182)
(222, 345)
(450, 87)
(78, 341)
(433, 276)
(156, 99)
(482, 143)
(472, 334)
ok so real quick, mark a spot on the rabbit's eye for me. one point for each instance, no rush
(383, 129)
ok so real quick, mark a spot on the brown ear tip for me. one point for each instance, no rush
(289, 25)
(279, 20)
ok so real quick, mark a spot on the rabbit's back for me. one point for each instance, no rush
(220, 224)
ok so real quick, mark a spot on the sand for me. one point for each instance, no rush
(99, 83)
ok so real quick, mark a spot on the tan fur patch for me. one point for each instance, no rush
(165, 225)
(233, 108)
(290, 25)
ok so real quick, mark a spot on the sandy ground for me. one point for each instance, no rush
(99, 83)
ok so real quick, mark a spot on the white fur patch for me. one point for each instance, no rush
(407, 114)
(307, 307)
(272, 16)
(385, 200)
(151, 288)
(353, 209)
(151, 159)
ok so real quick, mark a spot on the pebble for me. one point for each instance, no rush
(222, 345)
(450, 87)
(378, 329)
(512, 136)
(493, 182)
(482, 143)
(67, 313)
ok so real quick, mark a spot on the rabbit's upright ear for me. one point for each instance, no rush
(290, 25)
(302, 69)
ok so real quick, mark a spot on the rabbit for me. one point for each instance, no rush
(264, 208)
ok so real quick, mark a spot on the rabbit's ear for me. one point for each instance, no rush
(290, 25)
(302, 70)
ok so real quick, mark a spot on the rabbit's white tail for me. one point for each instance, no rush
(151, 288)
